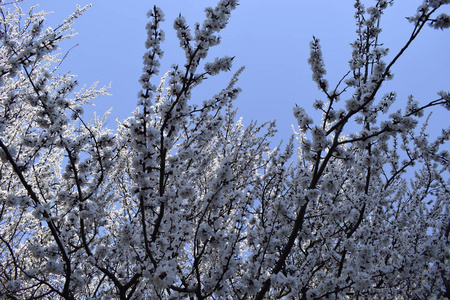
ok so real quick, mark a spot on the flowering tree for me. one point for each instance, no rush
(184, 202)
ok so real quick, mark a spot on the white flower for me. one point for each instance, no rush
(302, 118)
(442, 21)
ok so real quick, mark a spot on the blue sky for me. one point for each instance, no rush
(272, 41)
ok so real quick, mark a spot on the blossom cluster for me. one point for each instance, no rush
(186, 201)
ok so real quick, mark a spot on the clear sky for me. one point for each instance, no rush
(271, 38)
